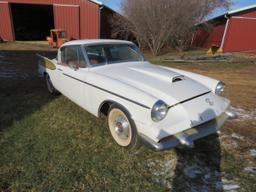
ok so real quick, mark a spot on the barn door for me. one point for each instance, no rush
(6, 31)
(67, 17)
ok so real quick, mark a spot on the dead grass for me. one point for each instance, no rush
(25, 46)
(240, 80)
(49, 144)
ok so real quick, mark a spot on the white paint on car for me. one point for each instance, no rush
(137, 86)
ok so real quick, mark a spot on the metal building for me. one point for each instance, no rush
(234, 31)
(32, 20)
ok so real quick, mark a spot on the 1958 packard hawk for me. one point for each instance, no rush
(159, 106)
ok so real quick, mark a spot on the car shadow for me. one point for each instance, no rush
(198, 168)
(22, 92)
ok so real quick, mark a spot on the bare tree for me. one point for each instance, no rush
(156, 23)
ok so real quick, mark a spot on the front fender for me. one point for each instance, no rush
(102, 88)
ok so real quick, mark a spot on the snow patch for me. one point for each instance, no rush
(236, 136)
(253, 153)
(7, 74)
(243, 114)
(203, 178)
(193, 172)
(231, 187)
(251, 170)
(198, 176)
(12, 74)
(163, 171)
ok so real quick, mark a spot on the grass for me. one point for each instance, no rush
(60, 146)
(50, 144)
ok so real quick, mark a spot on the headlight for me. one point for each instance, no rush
(220, 88)
(159, 111)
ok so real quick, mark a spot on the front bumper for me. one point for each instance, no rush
(187, 138)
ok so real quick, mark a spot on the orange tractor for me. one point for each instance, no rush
(57, 38)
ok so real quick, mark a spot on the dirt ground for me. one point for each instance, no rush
(239, 77)
(233, 158)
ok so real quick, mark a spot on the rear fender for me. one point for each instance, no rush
(45, 65)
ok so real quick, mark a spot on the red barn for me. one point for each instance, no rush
(32, 20)
(234, 31)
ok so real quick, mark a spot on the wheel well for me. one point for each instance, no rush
(104, 107)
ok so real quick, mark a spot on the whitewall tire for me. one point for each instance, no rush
(122, 127)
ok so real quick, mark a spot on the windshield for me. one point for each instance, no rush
(112, 53)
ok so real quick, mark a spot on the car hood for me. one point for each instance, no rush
(159, 82)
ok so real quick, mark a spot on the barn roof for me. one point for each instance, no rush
(97, 2)
(230, 13)
(241, 9)
(102, 4)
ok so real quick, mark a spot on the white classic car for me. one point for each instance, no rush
(159, 106)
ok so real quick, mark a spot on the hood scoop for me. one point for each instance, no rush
(158, 73)
(178, 78)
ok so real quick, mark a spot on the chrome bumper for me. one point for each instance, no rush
(187, 138)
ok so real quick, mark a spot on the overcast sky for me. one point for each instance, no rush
(115, 4)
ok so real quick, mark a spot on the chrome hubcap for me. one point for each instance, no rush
(120, 127)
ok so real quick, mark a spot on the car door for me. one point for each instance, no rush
(72, 71)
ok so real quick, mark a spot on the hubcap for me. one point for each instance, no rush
(120, 127)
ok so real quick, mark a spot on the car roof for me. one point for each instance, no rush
(94, 41)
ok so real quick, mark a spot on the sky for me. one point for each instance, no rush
(236, 4)
(113, 4)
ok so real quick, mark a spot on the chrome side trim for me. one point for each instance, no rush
(189, 99)
(122, 97)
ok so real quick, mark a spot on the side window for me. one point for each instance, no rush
(96, 55)
(73, 56)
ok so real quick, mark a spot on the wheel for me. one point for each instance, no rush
(122, 127)
(50, 86)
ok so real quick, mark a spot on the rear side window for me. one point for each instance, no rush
(73, 56)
